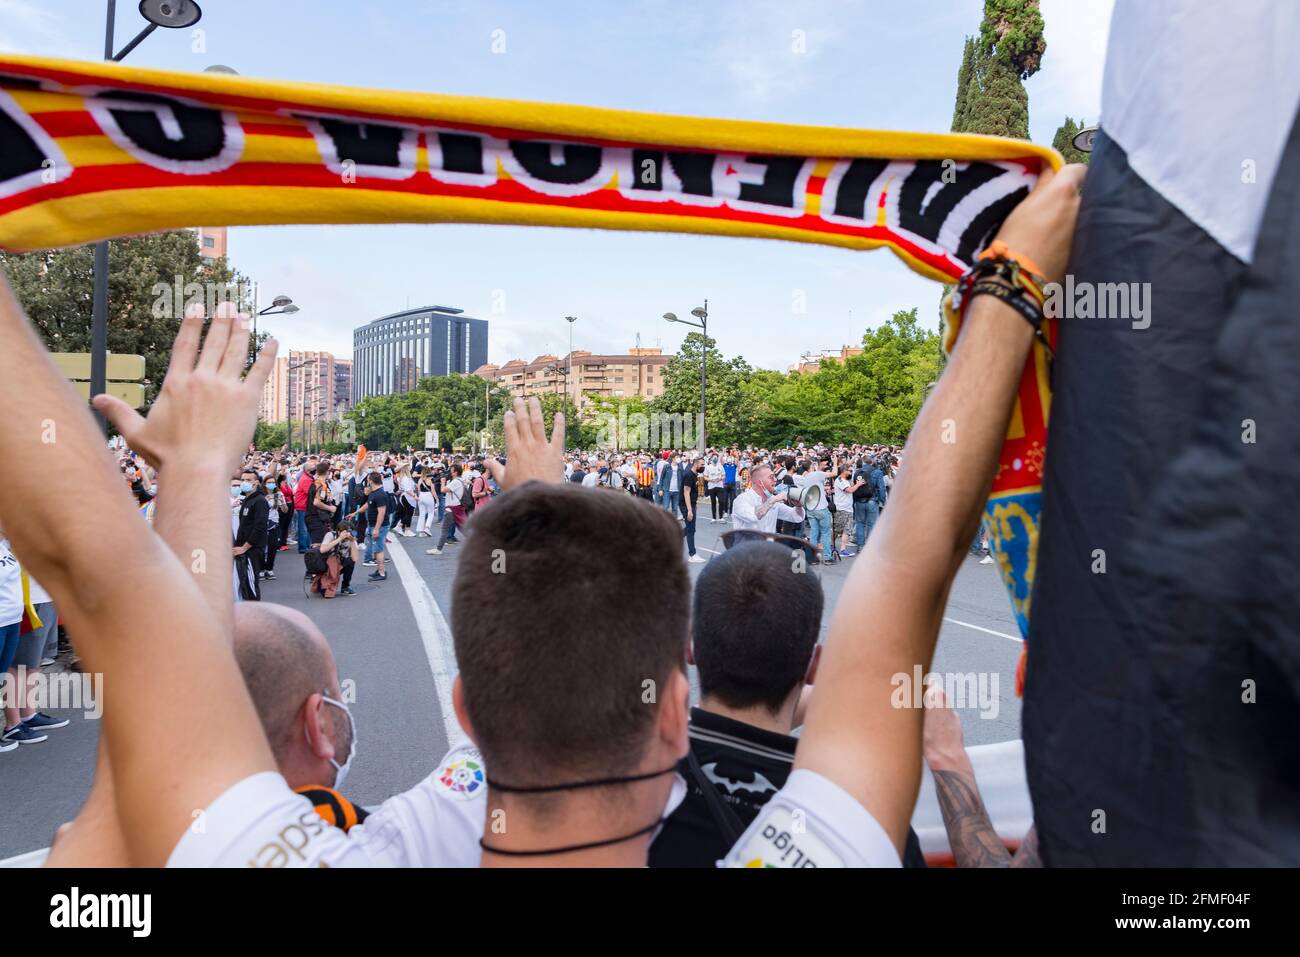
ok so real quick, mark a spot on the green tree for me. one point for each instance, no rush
(1063, 142)
(964, 75)
(1012, 30)
(453, 404)
(56, 288)
(991, 96)
(723, 379)
(899, 360)
(270, 436)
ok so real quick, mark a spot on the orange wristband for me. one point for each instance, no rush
(998, 250)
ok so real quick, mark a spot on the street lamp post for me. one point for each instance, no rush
(280, 306)
(309, 428)
(568, 368)
(288, 384)
(174, 15)
(701, 313)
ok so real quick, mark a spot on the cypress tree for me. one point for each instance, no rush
(1063, 143)
(991, 96)
(964, 74)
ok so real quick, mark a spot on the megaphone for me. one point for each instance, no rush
(807, 497)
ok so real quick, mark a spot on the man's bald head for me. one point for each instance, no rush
(284, 658)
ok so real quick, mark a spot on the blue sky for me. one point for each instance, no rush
(866, 64)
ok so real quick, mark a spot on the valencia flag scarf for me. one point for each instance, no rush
(90, 151)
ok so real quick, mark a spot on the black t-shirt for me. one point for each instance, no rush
(317, 517)
(747, 766)
(376, 500)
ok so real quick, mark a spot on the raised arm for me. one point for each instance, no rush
(181, 729)
(888, 616)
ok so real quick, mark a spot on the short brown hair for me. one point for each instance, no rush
(555, 680)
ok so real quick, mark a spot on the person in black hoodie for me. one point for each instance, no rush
(250, 536)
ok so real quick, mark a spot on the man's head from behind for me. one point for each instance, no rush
(554, 685)
(755, 624)
(290, 672)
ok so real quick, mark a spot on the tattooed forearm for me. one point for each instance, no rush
(1027, 856)
(970, 832)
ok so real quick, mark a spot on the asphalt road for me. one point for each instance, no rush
(392, 645)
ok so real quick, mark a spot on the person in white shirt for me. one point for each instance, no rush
(844, 489)
(758, 508)
(713, 475)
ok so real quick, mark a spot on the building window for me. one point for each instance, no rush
(209, 242)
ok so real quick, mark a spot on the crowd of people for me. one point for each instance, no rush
(853, 483)
(236, 706)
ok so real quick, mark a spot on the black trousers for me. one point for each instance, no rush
(715, 500)
(274, 535)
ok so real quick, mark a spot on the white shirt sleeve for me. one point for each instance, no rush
(437, 823)
(813, 822)
(788, 514)
(745, 508)
(261, 822)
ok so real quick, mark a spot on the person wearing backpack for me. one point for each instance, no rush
(455, 492)
(866, 500)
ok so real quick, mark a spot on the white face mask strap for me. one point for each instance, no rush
(341, 770)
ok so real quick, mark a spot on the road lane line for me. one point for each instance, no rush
(434, 632)
(987, 631)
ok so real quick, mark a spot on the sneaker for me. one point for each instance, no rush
(22, 735)
(408, 534)
(433, 551)
(376, 577)
(848, 553)
(46, 662)
(7, 745)
(986, 560)
(453, 541)
(695, 560)
(346, 591)
(269, 576)
(41, 721)
(372, 563)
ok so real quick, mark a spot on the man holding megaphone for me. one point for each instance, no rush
(758, 507)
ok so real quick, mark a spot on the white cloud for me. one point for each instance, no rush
(31, 28)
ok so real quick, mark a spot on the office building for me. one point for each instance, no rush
(393, 353)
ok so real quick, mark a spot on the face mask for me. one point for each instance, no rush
(341, 770)
(245, 487)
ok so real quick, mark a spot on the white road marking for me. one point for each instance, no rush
(987, 631)
(434, 632)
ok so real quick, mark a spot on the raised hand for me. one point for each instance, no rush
(530, 455)
(207, 408)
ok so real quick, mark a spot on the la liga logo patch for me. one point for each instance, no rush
(463, 776)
